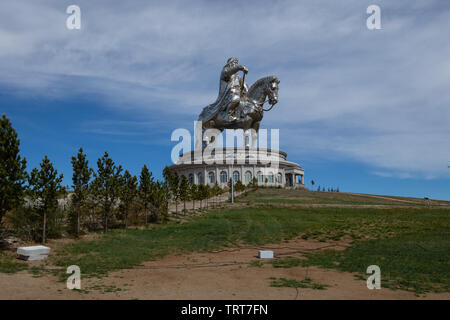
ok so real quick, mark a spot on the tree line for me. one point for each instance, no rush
(332, 189)
(37, 206)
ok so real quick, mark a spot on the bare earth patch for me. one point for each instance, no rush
(227, 274)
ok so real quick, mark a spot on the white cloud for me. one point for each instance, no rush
(379, 97)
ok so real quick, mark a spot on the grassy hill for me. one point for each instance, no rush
(408, 238)
(306, 197)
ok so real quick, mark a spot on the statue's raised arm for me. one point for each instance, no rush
(227, 72)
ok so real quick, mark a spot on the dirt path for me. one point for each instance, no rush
(212, 275)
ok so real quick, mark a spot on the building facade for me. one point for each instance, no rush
(269, 167)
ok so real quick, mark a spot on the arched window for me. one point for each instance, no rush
(248, 177)
(260, 177)
(279, 178)
(200, 178)
(212, 177)
(236, 176)
(223, 177)
(270, 177)
(191, 178)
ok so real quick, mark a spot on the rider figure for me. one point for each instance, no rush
(231, 87)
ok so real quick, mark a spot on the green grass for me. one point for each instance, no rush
(411, 245)
(121, 249)
(294, 197)
(256, 263)
(293, 283)
(412, 261)
(394, 239)
(9, 263)
(288, 262)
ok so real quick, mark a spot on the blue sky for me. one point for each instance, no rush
(365, 111)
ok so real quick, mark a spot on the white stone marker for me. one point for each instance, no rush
(33, 253)
(266, 254)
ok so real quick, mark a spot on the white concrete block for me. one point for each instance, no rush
(33, 253)
(266, 254)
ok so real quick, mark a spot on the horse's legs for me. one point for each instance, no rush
(254, 130)
(247, 138)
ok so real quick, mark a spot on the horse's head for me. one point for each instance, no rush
(264, 88)
(272, 90)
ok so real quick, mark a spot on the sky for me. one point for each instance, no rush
(364, 110)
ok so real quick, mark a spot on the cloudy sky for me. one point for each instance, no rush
(365, 110)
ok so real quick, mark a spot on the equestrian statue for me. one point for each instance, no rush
(237, 106)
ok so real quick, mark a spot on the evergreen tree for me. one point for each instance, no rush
(106, 186)
(239, 186)
(207, 194)
(145, 190)
(193, 194)
(163, 199)
(45, 185)
(216, 191)
(127, 194)
(199, 194)
(80, 178)
(184, 191)
(173, 181)
(255, 183)
(12, 168)
(175, 189)
(159, 201)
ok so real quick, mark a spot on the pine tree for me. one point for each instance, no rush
(106, 186)
(175, 189)
(45, 185)
(255, 182)
(184, 191)
(127, 194)
(173, 181)
(164, 198)
(145, 190)
(216, 192)
(239, 186)
(80, 178)
(193, 190)
(12, 168)
(202, 194)
(207, 194)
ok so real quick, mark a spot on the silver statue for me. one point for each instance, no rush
(237, 106)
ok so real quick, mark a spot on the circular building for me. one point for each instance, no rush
(268, 167)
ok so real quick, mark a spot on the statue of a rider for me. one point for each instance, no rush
(232, 91)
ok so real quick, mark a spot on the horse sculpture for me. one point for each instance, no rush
(249, 112)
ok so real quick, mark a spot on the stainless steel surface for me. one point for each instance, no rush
(237, 106)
